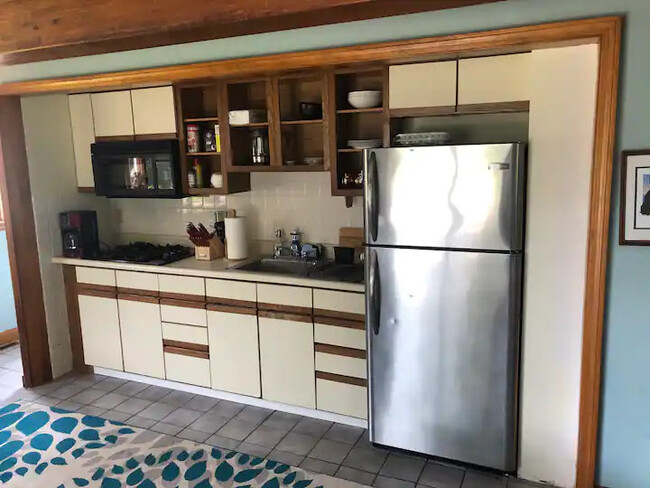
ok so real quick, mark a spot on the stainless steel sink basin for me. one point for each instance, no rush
(318, 270)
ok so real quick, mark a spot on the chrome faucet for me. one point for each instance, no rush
(278, 245)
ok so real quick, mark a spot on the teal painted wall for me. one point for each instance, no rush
(624, 456)
(7, 306)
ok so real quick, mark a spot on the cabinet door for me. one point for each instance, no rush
(494, 79)
(287, 359)
(112, 113)
(422, 85)
(100, 331)
(234, 351)
(141, 332)
(153, 110)
(83, 135)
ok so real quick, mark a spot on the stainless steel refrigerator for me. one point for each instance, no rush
(444, 264)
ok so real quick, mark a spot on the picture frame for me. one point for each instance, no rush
(634, 221)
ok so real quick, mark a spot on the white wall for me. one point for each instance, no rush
(48, 139)
(562, 110)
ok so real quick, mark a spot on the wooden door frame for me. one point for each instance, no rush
(605, 31)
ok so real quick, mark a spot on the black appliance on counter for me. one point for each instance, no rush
(137, 169)
(146, 253)
(79, 234)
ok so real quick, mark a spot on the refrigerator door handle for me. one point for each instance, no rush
(372, 196)
(375, 293)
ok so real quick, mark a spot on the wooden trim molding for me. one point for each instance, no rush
(137, 291)
(182, 296)
(285, 316)
(289, 309)
(357, 317)
(181, 303)
(86, 189)
(186, 352)
(93, 292)
(339, 378)
(231, 302)
(93, 287)
(340, 351)
(216, 307)
(74, 320)
(186, 345)
(350, 324)
(138, 298)
(8, 336)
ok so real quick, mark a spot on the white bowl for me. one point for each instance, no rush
(365, 143)
(365, 98)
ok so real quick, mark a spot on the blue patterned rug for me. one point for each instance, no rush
(50, 447)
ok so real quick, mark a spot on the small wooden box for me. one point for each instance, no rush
(213, 251)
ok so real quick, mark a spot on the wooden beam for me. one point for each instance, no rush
(21, 242)
(38, 30)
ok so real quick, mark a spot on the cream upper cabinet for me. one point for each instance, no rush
(112, 113)
(422, 85)
(141, 332)
(83, 135)
(153, 110)
(100, 331)
(494, 79)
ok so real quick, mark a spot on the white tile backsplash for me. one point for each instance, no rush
(276, 200)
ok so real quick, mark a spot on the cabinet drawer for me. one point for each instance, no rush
(235, 292)
(339, 302)
(342, 398)
(187, 369)
(135, 282)
(343, 365)
(340, 336)
(185, 333)
(95, 276)
(185, 287)
(289, 296)
(174, 311)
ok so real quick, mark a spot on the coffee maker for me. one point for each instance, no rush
(79, 234)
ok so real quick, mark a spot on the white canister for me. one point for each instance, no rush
(236, 242)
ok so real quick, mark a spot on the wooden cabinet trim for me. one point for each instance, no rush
(137, 291)
(346, 316)
(215, 307)
(290, 309)
(285, 316)
(186, 352)
(137, 298)
(93, 292)
(186, 345)
(90, 286)
(231, 302)
(182, 296)
(349, 324)
(340, 351)
(338, 378)
(497, 107)
(175, 302)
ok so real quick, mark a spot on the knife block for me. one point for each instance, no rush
(214, 250)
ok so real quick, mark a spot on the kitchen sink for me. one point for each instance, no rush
(319, 270)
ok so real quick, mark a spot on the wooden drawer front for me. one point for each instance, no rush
(343, 365)
(342, 398)
(187, 369)
(133, 282)
(339, 301)
(186, 287)
(182, 315)
(291, 296)
(95, 276)
(339, 336)
(235, 292)
(185, 333)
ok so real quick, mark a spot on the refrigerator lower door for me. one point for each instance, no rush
(443, 335)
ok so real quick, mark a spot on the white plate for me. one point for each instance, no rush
(364, 143)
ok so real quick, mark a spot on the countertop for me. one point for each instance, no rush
(218, 268)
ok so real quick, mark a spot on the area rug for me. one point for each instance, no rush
(50, 447)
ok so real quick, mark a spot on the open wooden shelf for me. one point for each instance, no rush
(360, 110)
(302, 122)
(202, 119)
(206, 191)
(251, 125)
(209, 153)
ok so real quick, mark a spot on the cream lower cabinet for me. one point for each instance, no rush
(100, 330)
(287, 358)
(141, 332)
(234, 349)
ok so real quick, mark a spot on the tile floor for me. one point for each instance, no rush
(315, 445)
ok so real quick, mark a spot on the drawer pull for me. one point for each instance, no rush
(273, 307)
(184, 297)
(136, 291)
(350, 324)
(341, 351)
(214, 307)
(172, 302)
(285, 316)
(341, 379)
(231, 302)
(357, 317)
(186, 345)
(186, 352)
(137, 298)
(100, 291)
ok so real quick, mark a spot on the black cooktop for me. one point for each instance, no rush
(145, 253)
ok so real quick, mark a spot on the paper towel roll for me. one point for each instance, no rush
(236, 241)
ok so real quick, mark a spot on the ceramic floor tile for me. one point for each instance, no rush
(296, 443)
(182, 417)
(116, 416)
(66, 391)
(223, 442)
(88, 396)
(385, 482)
(318, 466)
(70, 406)
(253, 415)
(88, 380)
(109, 384)
(154, 393)
(475, 479)
(253, 449)
(193, 435)
(355, 475)
(201, 403)
(282, 421)
(441, 476)
(11, 379)
(44, 389)
(311, 426)
(370, 460)
(344, 433)
(177, 398)
(157, 411)
(286, 457)
(90, 410)
(131, 388)
(226, 408)
(237, 429)
(141, 422)
(402, 467)
(46, 401)
(330, 451)
(110, 400)
(518, 483)
(165, 428)
(264, 436)
(209, 422)
(133, 405)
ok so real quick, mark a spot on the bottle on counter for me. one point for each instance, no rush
(198, 173)
(191, 178)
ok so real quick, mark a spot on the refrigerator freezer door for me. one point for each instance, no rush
(443, 335)
(468, 197)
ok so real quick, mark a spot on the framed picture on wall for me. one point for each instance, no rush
(635, 199)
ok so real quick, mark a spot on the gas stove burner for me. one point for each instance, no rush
(146, 253)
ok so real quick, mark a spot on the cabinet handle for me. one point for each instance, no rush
(215, 307)
(138, 298)
(372, 195)
(285, 316)
(374, 299)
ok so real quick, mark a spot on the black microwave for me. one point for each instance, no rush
(137, 169)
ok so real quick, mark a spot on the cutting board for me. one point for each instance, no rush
(351, 237)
